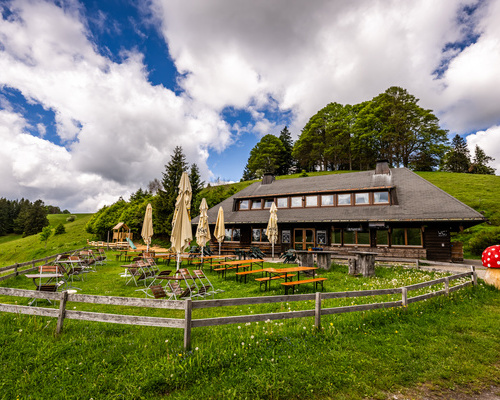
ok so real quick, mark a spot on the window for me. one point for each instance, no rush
(327, 200)
(296, 201)
(382, 237)
(344, 199)
(259, 235)
(362, 198)
(336, 237)
(232, 235)
(381, 197)
(311, 201)
(282, 202)
(406, 237)
(361, 238)
(244, 204)
(268, 203)
(256, 205)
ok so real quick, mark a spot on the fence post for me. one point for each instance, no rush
(62, 312)
(15, 269)
(187, 323)
(404, 296)
(417, 264)
(447, 285)
(317, 311)
(474, 275)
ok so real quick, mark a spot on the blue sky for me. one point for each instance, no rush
(95, 95)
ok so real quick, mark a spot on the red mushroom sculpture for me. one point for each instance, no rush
(491, 260)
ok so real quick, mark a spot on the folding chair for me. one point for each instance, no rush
(206, 284)
(176, 290)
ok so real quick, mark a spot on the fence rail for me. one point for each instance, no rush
(187, 323)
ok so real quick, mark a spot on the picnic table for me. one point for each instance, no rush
(283, 273)
(237, 264)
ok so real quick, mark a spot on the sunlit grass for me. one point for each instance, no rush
(446, 341)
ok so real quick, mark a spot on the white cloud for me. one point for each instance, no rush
(116, 126)
(489, 141)
(118, 130)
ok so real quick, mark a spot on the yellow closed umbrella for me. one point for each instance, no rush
(147, 226)
(220, 229)
(181, 223)
(272, 226)
(202, 231)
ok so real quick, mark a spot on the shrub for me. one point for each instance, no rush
(60, 229)
(484, 239)
(70, 218)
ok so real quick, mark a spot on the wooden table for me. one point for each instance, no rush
(363, 263)
(276, 272)
(240, 263)
(323, 258)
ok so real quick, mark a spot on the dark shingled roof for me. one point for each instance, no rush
(418, 200)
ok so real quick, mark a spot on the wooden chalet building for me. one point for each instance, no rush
(391, 211)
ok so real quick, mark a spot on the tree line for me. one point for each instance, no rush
(22, 216)
(391, 126)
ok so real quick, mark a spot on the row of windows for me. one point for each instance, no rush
(324, 200)
(397, 237)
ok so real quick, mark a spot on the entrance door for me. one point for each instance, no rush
(303, 239)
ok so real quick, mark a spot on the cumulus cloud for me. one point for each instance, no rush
(263, 57)
(113, 123)
(489, 141)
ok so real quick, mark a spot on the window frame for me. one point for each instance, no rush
(301, 199)
(310, 197)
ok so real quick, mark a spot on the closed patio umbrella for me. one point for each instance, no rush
(272, 226)
(220, 229)
(181, 224)
(202, 231)
(147, 226)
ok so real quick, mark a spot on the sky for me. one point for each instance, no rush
(95, 95)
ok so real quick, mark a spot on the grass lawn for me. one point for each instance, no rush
(446, 342)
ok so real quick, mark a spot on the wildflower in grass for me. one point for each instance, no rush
(196, 349)
(166, 341)
(242, 343)
(251, 337)
(239, 327)
(304, 327)
(20, 330)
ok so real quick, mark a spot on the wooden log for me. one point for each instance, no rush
(252, 300)
(125, 319)
(323, 259)
(28, 310)
(317, 311)
(353, 265)
(361, 307)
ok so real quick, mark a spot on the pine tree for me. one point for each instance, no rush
(287, 160)
(479, 165)
(196, 187)
(458, 158)
(163, 210)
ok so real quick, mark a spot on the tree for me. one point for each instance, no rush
(401, 129)
(45, 235)
(196, 187)
(32, 218)
(479, 165)
(163, 209)
(154, 186)
(458, 158)
(266, 156)
(60, 229)
(287, 161)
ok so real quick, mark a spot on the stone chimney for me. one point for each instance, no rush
(382, 168)
(268, 178)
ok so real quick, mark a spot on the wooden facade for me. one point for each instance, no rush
(392, 212)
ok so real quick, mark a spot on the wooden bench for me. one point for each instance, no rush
(292, 284)
(224, 270)
(271, 278)
(245, 273)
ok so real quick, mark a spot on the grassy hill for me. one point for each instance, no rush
(15, 248)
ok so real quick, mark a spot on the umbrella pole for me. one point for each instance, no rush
(178, 259)
(273, 249)
(219, 248)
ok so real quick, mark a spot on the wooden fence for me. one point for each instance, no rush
(32, 265)
(187, 323)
